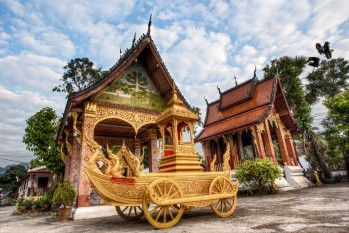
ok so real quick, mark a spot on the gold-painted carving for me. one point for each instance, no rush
(90, 108)
(165, 194)
(62, 154)
(67, 143)
(77, 132)
(213, 163)
(134, 118)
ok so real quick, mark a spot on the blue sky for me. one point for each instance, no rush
(203, 44)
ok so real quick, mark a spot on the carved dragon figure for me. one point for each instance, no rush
(226, 156)
(97, 153)
(116, 167)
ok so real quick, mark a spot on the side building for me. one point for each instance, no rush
(256, 119)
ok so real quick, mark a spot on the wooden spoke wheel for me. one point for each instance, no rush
(162, 216)
(223, 207)
(130, 213)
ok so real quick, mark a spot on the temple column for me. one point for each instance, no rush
(137, 146)
(207, 152)
(153, 150)
(290, 147)
(84, 188)
(75, 165)
(269, 148)
(219, 154)
(281, 140)
(259, 140)
(232, 153)
(240, 147)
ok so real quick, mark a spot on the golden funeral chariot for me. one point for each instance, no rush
(178, 186)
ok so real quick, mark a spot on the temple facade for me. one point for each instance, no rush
(255, 117)
(123, 105)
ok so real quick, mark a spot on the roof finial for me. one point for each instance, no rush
(120, 52)
(236, 83)
(149, 25)
(206, 100)
(219, 90)
(134, 40)
(255, 69)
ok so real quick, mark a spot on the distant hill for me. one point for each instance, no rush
(4, 169)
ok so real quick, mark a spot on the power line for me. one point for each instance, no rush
(12, 160)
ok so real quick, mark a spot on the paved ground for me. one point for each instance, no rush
(320, 209)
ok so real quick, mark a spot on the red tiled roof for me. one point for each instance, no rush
(237, 122)
(238, 95)
(246, 105)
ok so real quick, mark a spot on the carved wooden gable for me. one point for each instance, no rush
(134, 88)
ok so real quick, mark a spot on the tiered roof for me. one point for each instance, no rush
(143, 50)
(246, 105)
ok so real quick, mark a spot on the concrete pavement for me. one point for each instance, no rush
(321, 209)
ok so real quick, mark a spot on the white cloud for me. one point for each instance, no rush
(29, 71)
(203, 44)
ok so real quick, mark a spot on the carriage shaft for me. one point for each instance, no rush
(195, 198)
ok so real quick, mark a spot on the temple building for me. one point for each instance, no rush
(255, 117)
(125, 104)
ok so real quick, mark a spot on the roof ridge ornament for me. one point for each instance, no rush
(149, 25)
(236, 83)
(254, 72)
(134, 40)
(219, 90)
(206, 100)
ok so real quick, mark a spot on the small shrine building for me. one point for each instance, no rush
(256, 119)
(125, 104)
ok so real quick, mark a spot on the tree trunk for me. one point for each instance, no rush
(319, 156)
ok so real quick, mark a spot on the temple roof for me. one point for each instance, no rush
(246, 105)
(144, 51)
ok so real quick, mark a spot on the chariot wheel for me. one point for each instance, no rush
(223, 207)
(130, 213)
(162, 216)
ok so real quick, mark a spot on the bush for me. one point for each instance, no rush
(258, 175)
(64, 195)
(42, 201)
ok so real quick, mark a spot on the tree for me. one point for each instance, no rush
(338, 121)
(39, 138)
(329, 79)
(79, 74)
(9, 179)
(289, 70)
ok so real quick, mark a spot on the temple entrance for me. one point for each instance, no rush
(248, 146)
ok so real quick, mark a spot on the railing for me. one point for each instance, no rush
(37, 191)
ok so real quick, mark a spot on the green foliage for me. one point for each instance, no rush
(337, 126)
(78, 75)
(258, 175)
(39, 138)
(8, 180)
(42, 201)
(328, 80)
(64, 195)
(289, 70)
